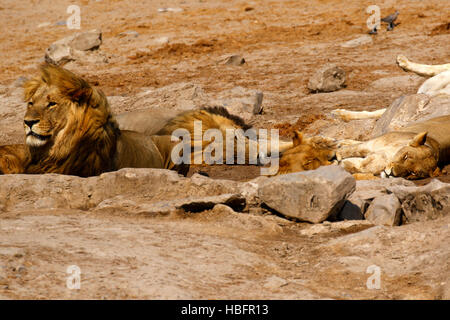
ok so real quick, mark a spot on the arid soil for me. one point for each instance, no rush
(206, 255)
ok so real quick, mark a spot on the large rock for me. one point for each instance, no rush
(385, 210)
(311, 196)
(241, 101)
(90, 40)
(74, 47)
(428, 202)
(327, 79)
(409, 109)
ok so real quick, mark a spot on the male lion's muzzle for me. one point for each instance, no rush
(33, 138)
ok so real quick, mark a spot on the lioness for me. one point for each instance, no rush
(307, 154)
(412, 152)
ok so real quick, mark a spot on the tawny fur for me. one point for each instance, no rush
(74, 132)
(307, 154)
(13, 158)
(413, 152)
(70, 129)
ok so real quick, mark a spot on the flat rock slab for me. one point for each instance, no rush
(55, 191)
(121, 204)
(311, 196)
(428, 202)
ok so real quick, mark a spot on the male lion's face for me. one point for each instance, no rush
(414, 161)
(45, 116)
(307, 154)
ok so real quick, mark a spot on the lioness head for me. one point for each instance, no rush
(414, 161)
(307, 154)
(65, 119)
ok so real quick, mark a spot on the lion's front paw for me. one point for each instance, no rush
(402, 61)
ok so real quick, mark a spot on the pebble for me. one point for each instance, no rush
(170, 10)
(235, 60)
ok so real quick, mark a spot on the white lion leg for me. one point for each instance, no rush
(439, 84)
(348, 115)
(421, 69)
(374, 164)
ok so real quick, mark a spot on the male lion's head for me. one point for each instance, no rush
(307, 154)
(68, 124)
(414, 161)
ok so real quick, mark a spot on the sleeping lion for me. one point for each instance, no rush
(413, 152)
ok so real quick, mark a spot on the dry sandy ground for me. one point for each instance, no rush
(199, 256)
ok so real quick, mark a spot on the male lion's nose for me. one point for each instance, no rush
(30, 123)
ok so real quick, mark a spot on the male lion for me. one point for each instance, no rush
(70, 129)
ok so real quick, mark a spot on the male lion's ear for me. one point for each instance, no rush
(298, 138)
(29, 88)
(68, 83)
(419, 140)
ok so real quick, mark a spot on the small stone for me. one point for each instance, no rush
(274, 282)
(59, 53)
(21, 269)
(257, 102)
(161, 10)
(161, 40)
(130, 33)
(329, 78)
(385, 210)
(44, 24)
(235, 60)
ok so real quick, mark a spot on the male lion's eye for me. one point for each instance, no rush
(50, 104)
(30, 104)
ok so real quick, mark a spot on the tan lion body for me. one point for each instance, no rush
(70, 130)
(13, 158)
(413, 151)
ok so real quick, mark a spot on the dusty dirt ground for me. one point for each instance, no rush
(199, 256)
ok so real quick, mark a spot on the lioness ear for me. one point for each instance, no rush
(298, 138)
(419, 140)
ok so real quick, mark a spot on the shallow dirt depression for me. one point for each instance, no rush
(220, 253)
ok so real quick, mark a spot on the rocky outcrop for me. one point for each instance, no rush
(311, 196)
